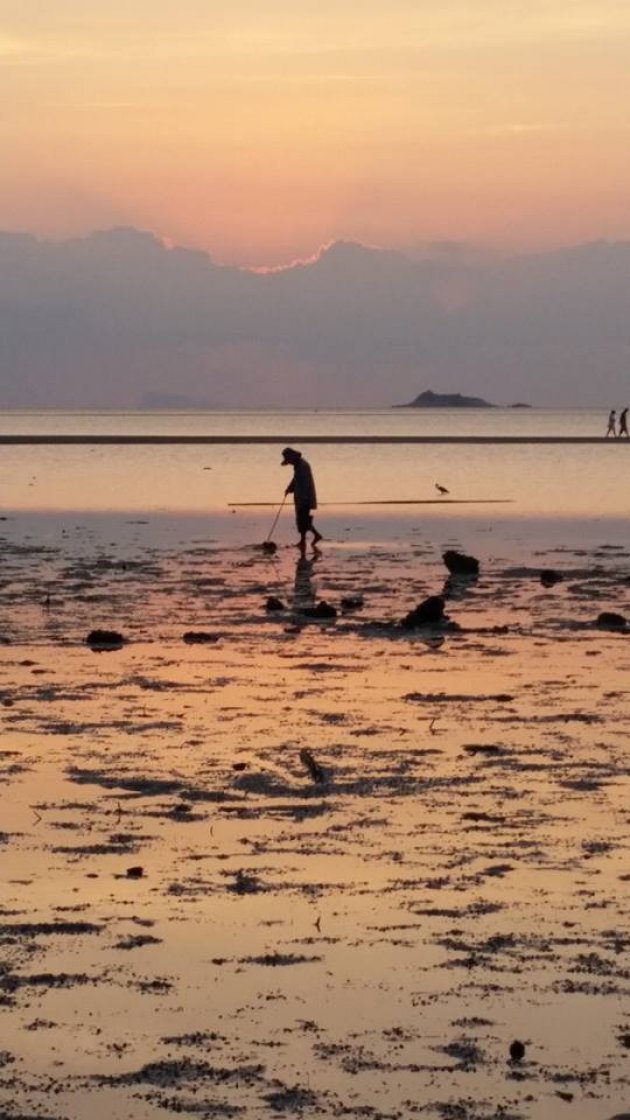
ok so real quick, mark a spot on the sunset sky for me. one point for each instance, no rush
(261, 129)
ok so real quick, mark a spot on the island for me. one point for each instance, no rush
(429, 399)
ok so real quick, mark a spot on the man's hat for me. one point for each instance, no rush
(289, 455)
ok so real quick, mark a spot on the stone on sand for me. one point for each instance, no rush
(430, 612)
(459, 564)
(610, 620)
(274, 604)
(548, 577)
(104, 640)
(322, 610)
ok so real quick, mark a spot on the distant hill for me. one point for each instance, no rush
(429, 399)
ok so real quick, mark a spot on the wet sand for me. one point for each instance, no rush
(193, 923)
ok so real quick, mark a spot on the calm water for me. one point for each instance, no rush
(561, 481)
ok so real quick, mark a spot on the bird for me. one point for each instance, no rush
(441, 489)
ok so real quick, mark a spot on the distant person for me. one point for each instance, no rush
(302, 486)
(611, 430)
(623, 423)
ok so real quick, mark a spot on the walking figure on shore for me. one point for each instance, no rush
(611, 430)
(623, 423)
(302, 486)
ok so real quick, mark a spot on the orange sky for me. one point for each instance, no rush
(259, 131)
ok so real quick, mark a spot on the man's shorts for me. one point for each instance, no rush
(303, 519)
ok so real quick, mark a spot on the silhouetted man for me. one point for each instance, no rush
(611, 429)
(302, 486)
(623, 423)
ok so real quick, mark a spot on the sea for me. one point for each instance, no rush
(556, 479)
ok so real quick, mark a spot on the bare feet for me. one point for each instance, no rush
(317, 537)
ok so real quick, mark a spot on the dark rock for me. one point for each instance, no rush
(548, 577)
(517, 1050)
(193, 637)
(104, 640)
(135, 872)
(274, 604)
(428, 613)
(322, 610)
(352, 603)
(269, 547)
(459, 564)
(610, 620)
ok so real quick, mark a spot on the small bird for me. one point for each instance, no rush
(441, 489)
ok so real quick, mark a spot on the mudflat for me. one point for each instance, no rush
(310, 865)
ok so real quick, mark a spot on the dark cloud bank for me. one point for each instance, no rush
(118, 320)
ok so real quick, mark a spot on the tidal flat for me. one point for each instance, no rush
(197, 920)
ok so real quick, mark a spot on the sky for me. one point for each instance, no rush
(259, 130)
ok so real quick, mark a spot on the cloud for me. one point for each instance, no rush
(106, 320)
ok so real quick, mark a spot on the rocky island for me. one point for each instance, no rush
(429, 399)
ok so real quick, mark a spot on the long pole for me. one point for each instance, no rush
(275, 520)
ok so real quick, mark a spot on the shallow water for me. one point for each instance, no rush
(525, 480)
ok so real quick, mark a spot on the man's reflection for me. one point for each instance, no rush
(303, 587)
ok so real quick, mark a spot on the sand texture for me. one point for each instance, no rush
(291, 866)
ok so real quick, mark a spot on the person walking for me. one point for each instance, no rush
(302, 486)
(623, 423)
(611, 430)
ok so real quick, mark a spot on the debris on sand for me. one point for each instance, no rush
(135, 872)
(101, 640)
(322, 610)
(244, 883)
(352, 602)
(269, 547)
(198, 637)
(313, 767)
(274, 604)
(459, 564)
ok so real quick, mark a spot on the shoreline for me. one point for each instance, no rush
(83, 440)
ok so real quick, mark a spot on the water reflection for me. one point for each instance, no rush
(304, 587)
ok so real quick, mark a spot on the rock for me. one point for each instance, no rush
(313, 767)
(269, 547)
(459, 564)
(274, 604)
(610, 620)
(548, 577)
(135, 872)
(193, 637)
(322, 610)
(352, 603)
(102, 640)
(428, 613)
(517, 1050)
